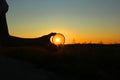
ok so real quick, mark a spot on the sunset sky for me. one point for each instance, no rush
(79, 20)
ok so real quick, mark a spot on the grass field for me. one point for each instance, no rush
(72, 62)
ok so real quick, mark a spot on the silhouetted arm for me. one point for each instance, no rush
(3, 23)
(3, 6)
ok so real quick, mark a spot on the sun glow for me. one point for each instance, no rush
(58, 39)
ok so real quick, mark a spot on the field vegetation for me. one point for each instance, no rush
(72, 61)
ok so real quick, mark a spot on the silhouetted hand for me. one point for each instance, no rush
(45, 41)
(46, 38)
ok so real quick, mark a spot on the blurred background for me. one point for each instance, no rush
(81, 21)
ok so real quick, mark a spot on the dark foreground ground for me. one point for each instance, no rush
(70, 62)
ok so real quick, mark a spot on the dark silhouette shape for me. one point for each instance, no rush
(8, 40)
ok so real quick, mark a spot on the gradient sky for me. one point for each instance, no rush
(79, 20)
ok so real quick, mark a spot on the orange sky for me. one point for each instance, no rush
(81, 21)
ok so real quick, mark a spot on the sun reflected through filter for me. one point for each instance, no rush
(58, 39)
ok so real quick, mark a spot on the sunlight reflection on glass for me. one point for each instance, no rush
(58, 39)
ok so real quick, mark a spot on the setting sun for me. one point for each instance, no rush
(58, 39)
